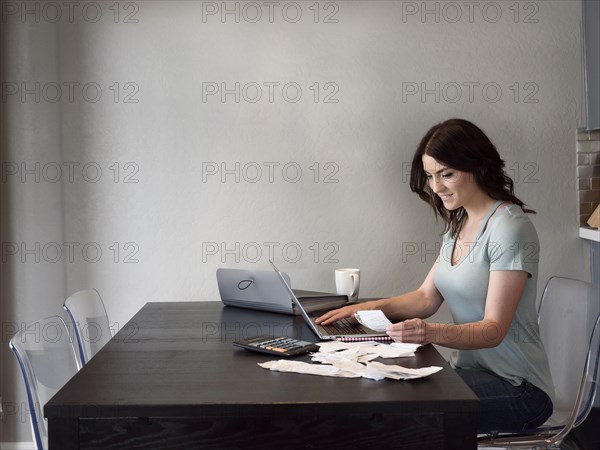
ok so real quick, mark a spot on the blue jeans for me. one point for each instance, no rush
(504, 407)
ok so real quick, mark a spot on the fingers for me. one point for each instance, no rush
(334, 315)
(341, 313)
(325, 317)
(411, 331)
(330, 316)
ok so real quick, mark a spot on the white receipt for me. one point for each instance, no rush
(348, 369)
(353, 360)
(373, 319)
(284, 365)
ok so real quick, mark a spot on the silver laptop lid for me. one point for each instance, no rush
(254, 289)
(322, 332)
(294, 299)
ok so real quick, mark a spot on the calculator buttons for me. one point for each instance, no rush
(282, 346)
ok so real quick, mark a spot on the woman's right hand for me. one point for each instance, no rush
(341, 313)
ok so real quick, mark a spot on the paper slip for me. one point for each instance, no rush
(284, 365)
(334, 346)
(403, 373)
(348, 369)
(373, 319)
(355, 359)
(406, 346)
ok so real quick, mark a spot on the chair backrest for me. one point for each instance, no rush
(569, 316)
(90, 322)
(46, 356)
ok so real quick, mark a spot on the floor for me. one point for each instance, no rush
(586, 436)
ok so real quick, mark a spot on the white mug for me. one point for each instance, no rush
(347, 282)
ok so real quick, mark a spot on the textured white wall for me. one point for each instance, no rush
(517, 65)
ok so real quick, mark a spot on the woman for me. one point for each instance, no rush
(486, 273)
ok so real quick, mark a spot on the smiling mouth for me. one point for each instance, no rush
(445, 197)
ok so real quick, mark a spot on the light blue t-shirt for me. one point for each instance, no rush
(508, 242)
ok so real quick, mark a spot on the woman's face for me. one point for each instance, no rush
(455, 188)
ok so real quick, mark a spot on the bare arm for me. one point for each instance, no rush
(422, 303)
(505, 289)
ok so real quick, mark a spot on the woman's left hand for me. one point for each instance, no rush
(414, 331)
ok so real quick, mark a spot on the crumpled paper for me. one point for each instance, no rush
(355, 359)
(374, 319)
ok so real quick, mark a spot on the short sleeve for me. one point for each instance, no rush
(514, 245)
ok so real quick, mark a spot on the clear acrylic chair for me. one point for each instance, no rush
(90, 322)
(569, 321)
(46, 356)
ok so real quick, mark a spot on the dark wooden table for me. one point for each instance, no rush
(172, 379)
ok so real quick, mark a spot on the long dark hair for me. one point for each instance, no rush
(461, 145)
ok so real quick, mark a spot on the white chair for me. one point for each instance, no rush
(569, 321)
(90, 322)
(46, 356)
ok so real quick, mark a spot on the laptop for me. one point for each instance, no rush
(254, 289)
(344, 330)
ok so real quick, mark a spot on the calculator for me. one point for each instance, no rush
(280, 346)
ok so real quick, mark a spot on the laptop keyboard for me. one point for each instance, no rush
(344, 326)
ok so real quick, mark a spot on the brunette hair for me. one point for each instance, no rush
(461, 145)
